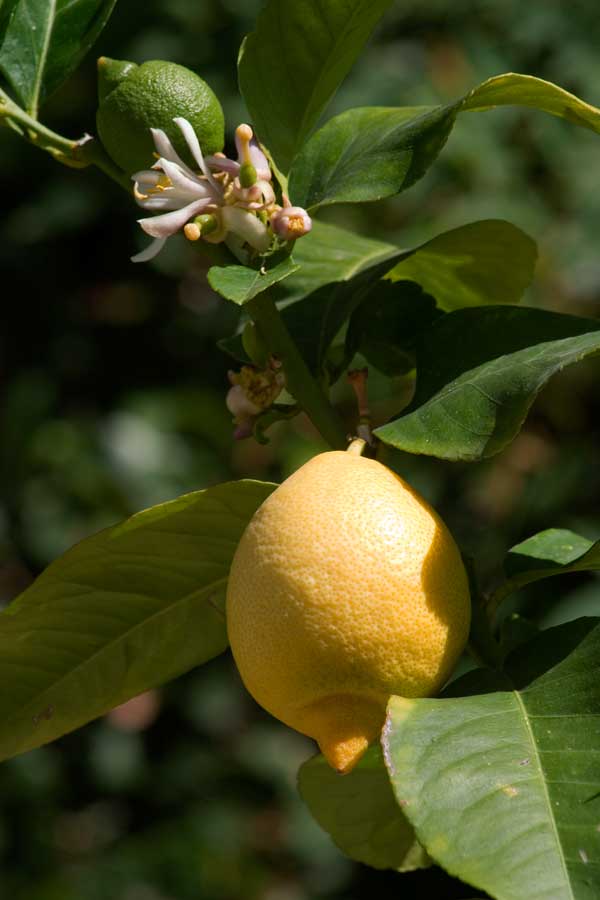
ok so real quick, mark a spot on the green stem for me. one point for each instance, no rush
(77, 154)
(300, 381)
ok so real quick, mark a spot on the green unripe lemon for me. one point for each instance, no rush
(135, 98)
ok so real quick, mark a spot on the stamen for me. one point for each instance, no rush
(243, 136)
(192, 231)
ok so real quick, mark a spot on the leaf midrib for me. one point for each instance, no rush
(305, 124)
(33, 106)
(542, 777)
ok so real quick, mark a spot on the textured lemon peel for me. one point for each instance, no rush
(343, 726)
(345, 588)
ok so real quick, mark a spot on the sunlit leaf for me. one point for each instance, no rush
(241, 283)
(369, 153)
(294, 61)
(501, 778)
(123, 611)
(43, 41)
(478, 372)
(484, 262)
(555, 551)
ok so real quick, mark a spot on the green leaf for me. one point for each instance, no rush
(502, 786)
(360, 813)
(484, 262)
(315, 321)
(555, 551)
(525, 90)
(374, 152)
(44, 41)
(388, 322)
(367, 154)
(327, 254)
(478, 372)
(292, 64)
(241, 283)
(121, 612)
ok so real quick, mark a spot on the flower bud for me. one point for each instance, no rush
(291, 222)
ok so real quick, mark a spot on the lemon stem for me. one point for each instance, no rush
(76, 154)
(299, 379)
(356, 447)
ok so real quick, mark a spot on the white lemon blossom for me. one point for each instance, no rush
(225, 200)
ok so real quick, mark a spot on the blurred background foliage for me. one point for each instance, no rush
(113, 400)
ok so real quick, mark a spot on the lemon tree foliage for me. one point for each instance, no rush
(340, 276)
(497, 780)
(241, 283)
(295, 60)
(43, 41)
(124, 610)
(500, 777)
(472, 397)
(467, 266)
(360, 813)
(555, 551)
(374, 152)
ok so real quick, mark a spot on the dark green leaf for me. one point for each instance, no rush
(485, 262)
(360, 813)
(374, 152)
(386, 325)
(478, 372)
(368, 153)
(292, 64)
(502, 787)
(123, 611)
(329, 254)
(44, 41)
(6, 11)
(241, 283)
(315, 321)
(326, 255)
(515, 630)
(555, 551)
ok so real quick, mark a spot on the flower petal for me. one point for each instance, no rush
(191, 186)
(166, 225)
(223, 164)
(193, 143)
(150, 251)
(259, 161)
(247, 226)
(146, 177)
(165, 201)
(166, 149)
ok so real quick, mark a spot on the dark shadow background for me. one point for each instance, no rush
(112, 399)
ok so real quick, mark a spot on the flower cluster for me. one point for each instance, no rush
(225, 200)
(252, 391)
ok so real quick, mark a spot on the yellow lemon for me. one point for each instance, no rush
(134, 99)
(346, 587)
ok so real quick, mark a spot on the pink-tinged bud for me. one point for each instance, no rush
(243, 430)
(239, 405)
(291, 222)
